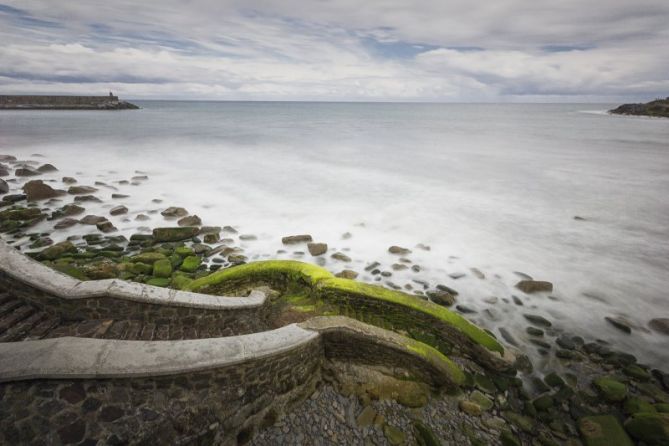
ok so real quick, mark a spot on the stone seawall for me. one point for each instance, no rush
(17, 102)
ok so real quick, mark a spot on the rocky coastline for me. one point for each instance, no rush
(37, 102)
(657, 108)
(589, 394)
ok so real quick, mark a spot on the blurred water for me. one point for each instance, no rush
(489, 186)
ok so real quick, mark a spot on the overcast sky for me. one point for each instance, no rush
(430, 50)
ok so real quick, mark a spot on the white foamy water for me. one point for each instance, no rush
(493, 187)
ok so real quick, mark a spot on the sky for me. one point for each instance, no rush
(340, 50)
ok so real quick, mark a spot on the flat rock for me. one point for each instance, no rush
(538, 320)
(399, 250)
(119, 196)
(118, 210)
(106, 227)
(293, 239)
(603, 430)
(534, 286)
(173, 211)
(175, 234)
(84, 198)
(81, 190)
(341, 257)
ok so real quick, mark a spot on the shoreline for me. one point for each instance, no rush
(526, 406)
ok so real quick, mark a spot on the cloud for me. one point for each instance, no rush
(338, 50)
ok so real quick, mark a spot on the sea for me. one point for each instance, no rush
(489, 188)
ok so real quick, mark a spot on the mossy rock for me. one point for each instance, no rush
(554, 380)
(139, 268)
(637, 405)
(424, 435)
(524, 423)
(543, 402)
(175, 234)
(603, 430)
(394, 436)
(162, 268)
(148, 257)
(508, 438)
(484, 383)
(57, 250)
(184, 251)
(190, 264)
(637, 373)
(651, 428)
(70, 270)
(470, 408)
(482, 400)
(180, 281)
(662, 408)
(610, 389)
(159, 281)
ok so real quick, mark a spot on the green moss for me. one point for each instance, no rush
(70, 271)
(190, 264)
(184, 251)
(424, 435)
(636, 405)
(472, 331)
(158, 281)
(148, 257)
(162, 268)
(611, 389)
(651, 428)
(180, 281)
(433, 355)
(603, 430)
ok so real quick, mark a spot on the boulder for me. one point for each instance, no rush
(192, 220)
(81, 190)
(603, 430)
(661, 325)
(4, 187)
(57, 250)
(26, 171)
(106, 226)
(118, 210)
(470, 407)
(534, 286)
(317, 249)
(399, 250)
(162, 268)
(92, 220)
(293, 239)
(175, 234)
(37, 190)
(651, 428)
(45, 168)
(173, 212)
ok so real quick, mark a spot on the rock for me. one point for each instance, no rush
(139, 178)
(119, 196)
(247, 237)
(478, 273)
(507, 438)
(620, 323)
(610, 389)
(4, 187)
(92, 220)
(661, 325)
(543, 402)
(148, 258)
(637, 405)
(317, 249)
(534, 286)
(57, 250)
(66, 223)
(26, 172)
(399, 250)
(68, 210)
(603, 430)
(366, 417)
(45, 168)
(506, 335)
(82, 198)
(106, 227)
(13, 198)
(142, 217)
(554, 380)
(341, 257)
(456, 276)
(229, 229)
(81, 190)
(651, 428)
(483, 401)
(173, 212)
(118, 210)
(212, 237)
(293, 239)
(37, 190)
(175, 234)
(465, 309)
(565, 342)
(537, 320)
(470, 408)
(190, 264)
(637, 373)
(525, 423)
(159, 282)
(192, 220)
(69, 180)
(5, 158)
(424, 435)
(347, 274)
(534, 331)
(447, 289)
(399, 267)
(579, 218)
(162, 268)
(394, 436)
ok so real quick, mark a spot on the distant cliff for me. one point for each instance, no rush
(658, 107)
(30, 102)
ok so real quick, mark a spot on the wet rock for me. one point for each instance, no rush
(212, 237)
(341, 257)
(372, 266)
(5, 158)
(366, 417)
(66, 223)
(139, 178)
(118, 210)
(248, 237)
(4, 187)
(68, 210)
(534, 286)
(447, 289)
(293, 239)
(192, 220)
(229, 229)
(610, 389)
(37, 190)
(46, 168)
(119, 196)
(516, 300)
(13, 198)
(174, 212)
(565, 342)
(470, 408)
(441, 297)
(72, 433)
(106, 227)
(142, 217)
(578, 218)
(399, 267)
(81, 190)
(57, 250)
(620, 323)
(651, 428)
(660, 325)
(465, 309)
(477, 272)
(317, 249)
(506, 335)
(26, 171)
(4, 172)
(85, 198)
(456, 276)
(92, 220)
(346, 236)
(347, 274)
(399, 250)
(69, 180)
(394, 435)
(423, 247)
(603, 430)
(175, 234)
(538, 320)
(162, 268)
